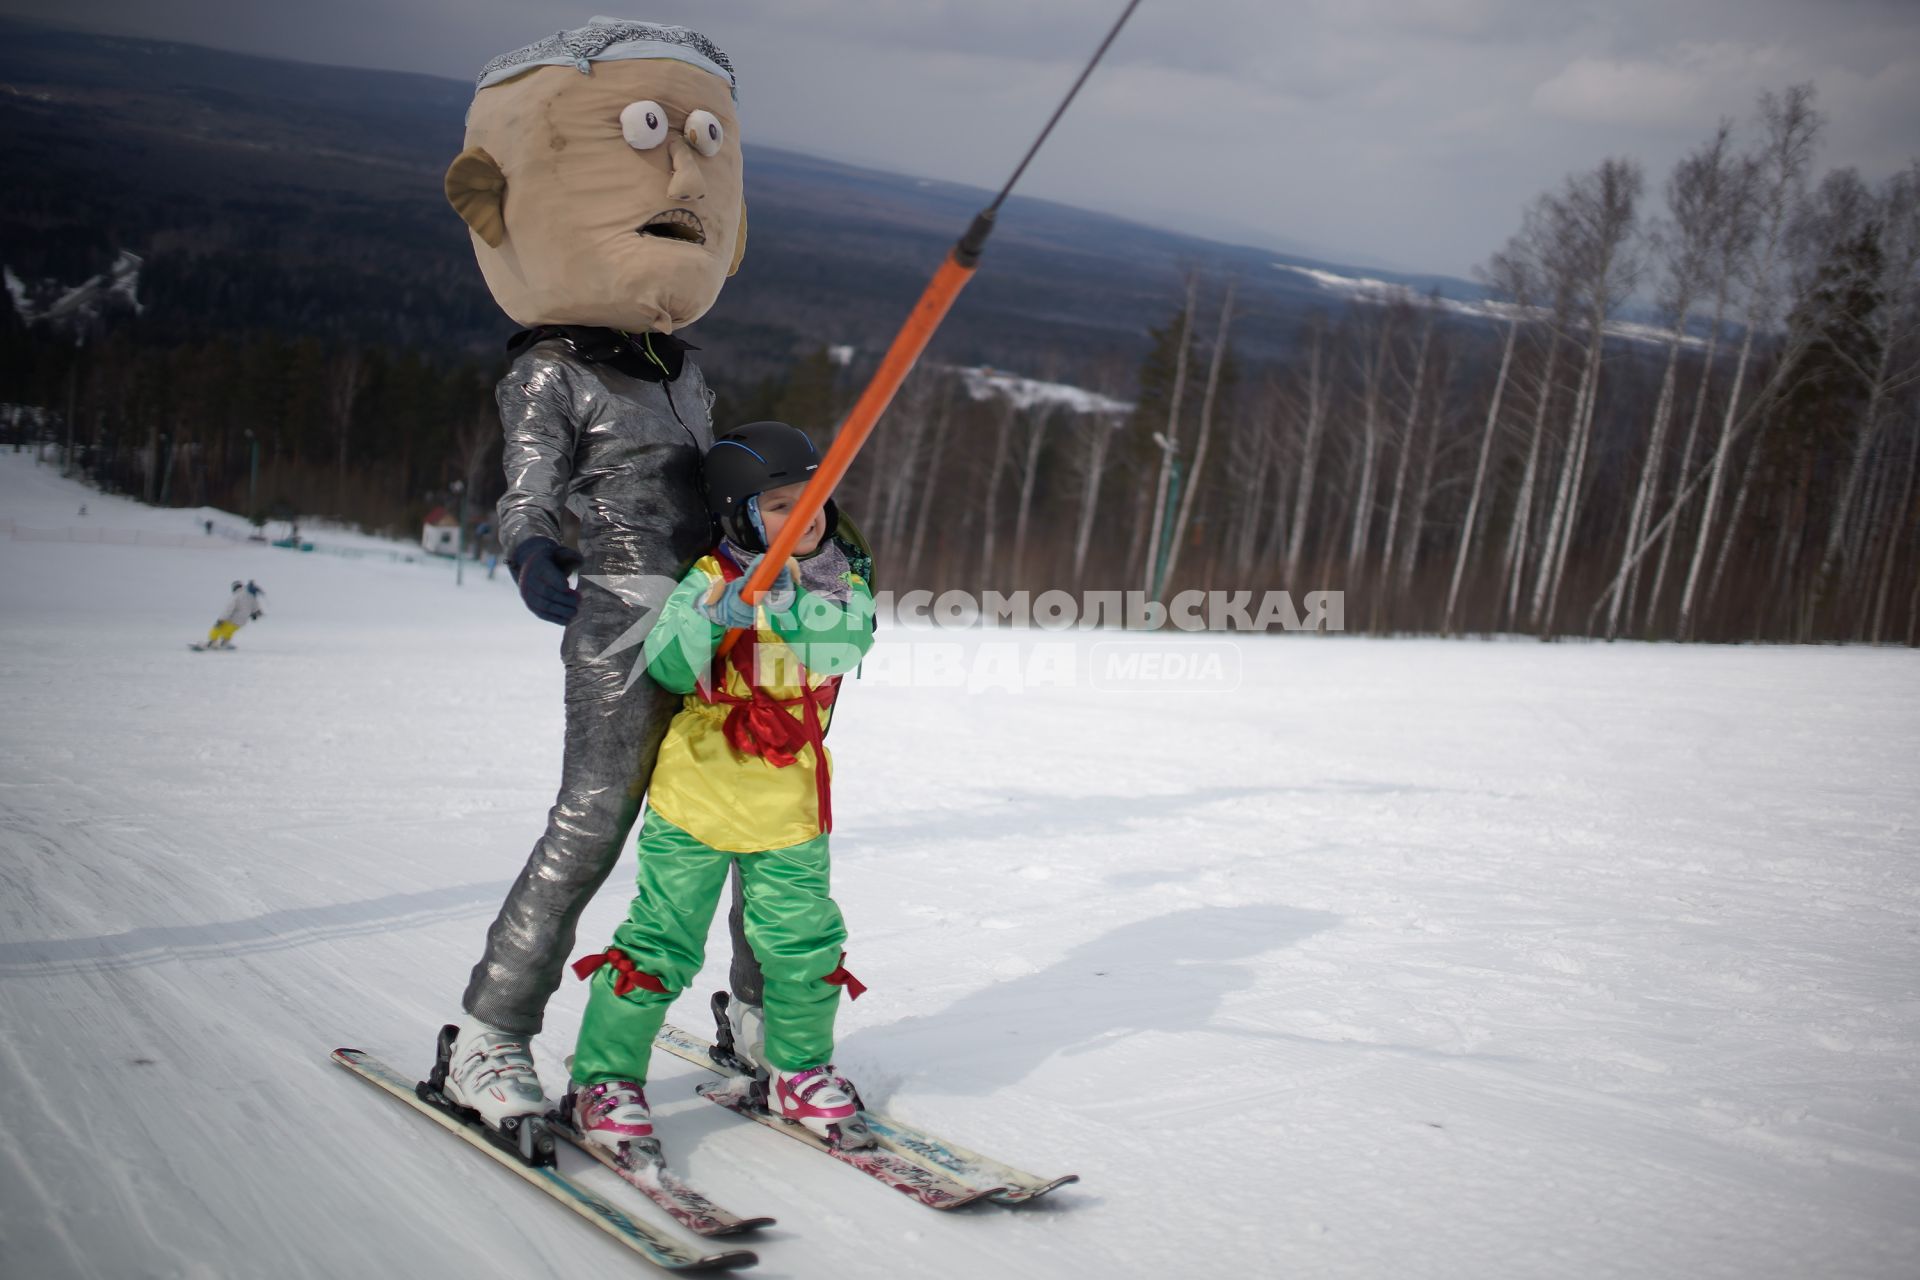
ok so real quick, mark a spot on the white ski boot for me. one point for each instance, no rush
(749, 1025)
(822, 1100)
(491, 1072)
(612, 1114)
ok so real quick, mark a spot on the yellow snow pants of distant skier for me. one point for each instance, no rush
(222, 632)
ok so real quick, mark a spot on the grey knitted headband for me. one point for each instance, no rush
(612, 40)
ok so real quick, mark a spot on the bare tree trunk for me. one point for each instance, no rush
(1206, 434)
(1683, 476)
(1412, 420)
(1716, 469)
(929, 487)
(1896, 218)
(1373, 374)
(900, 486)
(1423, 492)
(1277, 527)
(991, 524)
(1792, 125)
(1171, 439)
(1649, 476)
(1733, 521)
(1249, 500)
(1899, 526)
(1102, 440)
(1573, 506)
(1465, 551)
(1560, 518)
(1514, 568)
(1310, 448)
(1035, 439)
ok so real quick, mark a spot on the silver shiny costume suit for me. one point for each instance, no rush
(608, 428)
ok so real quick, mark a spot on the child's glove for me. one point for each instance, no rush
(725, 606)
(541, 566)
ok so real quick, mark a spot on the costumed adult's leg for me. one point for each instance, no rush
(743, 977)
(613, 734)
(798, 934)
(662, 944)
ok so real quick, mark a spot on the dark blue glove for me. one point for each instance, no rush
(541, 566)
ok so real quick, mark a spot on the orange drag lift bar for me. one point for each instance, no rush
(921, 324)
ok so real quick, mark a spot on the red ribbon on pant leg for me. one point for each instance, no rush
(841, 978)
(626, 978)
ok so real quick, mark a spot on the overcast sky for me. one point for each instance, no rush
(1404, 133)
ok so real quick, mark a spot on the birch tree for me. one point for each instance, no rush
(1595, 223)
(1895, 215)
(1371, 365)
(1696, 204)
(1313, 426)
(1510, 274)
(1792, 125)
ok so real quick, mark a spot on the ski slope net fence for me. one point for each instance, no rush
(115, 537)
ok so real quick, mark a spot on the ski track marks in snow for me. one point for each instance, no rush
(1405, 959)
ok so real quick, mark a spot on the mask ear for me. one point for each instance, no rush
(739, 241)
(477, 190)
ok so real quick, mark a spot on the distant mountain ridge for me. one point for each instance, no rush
(305, 198)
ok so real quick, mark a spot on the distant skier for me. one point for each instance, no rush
(741, 784)
(247, 604)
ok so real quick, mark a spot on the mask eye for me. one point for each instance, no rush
(705, 132)
(644, 125)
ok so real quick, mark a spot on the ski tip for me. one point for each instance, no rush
(733, 1260)
(1022, 1195)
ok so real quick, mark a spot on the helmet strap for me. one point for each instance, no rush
(759, 525)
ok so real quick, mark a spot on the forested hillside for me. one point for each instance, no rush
(1677, 405)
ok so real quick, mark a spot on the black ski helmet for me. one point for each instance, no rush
(750, 460)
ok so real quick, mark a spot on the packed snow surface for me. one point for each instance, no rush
(1403, 959)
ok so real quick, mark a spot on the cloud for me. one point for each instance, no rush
(1684, 85)
(1409, 132)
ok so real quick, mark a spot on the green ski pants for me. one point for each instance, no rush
(794, 927)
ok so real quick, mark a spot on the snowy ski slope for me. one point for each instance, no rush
(1404, 960)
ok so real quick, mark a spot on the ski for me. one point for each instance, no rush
(657, 1248)
(651, 1176)
(928, 1186)
(1006, 1184)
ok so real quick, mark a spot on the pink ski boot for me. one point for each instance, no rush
(822, 1101)
(611, 1114)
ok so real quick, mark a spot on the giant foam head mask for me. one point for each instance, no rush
(601, 178)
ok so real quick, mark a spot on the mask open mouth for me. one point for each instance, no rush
(674, 224)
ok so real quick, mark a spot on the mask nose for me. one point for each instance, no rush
(686, 183)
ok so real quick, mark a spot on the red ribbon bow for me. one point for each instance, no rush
(626, 979)
(759, 725)
(841, 978)
(762, 727)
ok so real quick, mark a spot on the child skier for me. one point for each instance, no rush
(246, 605)
(742, 779)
